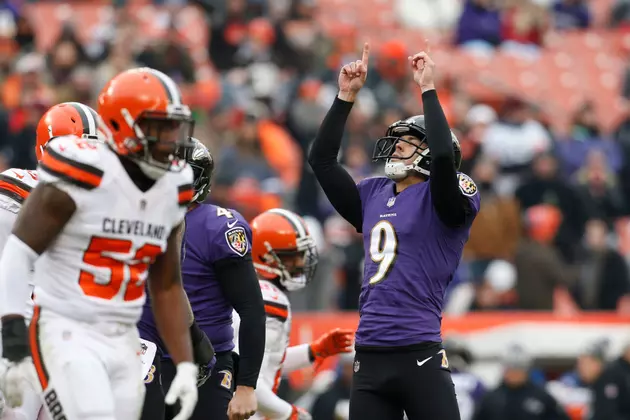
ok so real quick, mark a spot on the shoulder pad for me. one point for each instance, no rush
(74, 160)
(275, 300)
(26, 176)
(17, 184)
(466, 185)
(185, 190)
(272, 293)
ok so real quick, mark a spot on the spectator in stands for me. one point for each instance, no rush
(65, 55)
(547, 187)
(497, 289)
(478, 118)
(599, 188)
(611, 390)
(170, 57)
(389, 79)
(571, 14)
(603, 277)
(428, 14)
(524, 27)
(540, 270)
(589, 365)
(497, 228)
(479, 26)
(227, 31)
(516, 138)
(517, 397)
(620, 14)
(586, 135)
(245, 157)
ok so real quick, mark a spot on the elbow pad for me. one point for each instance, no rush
(203, 351)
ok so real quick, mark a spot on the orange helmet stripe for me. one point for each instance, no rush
(88, 118)
(294, 221)
(173, 93)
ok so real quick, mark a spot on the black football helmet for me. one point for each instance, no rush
(386, 146)
(202, 163)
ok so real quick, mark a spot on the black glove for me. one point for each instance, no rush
(203, 353)
(15, 346)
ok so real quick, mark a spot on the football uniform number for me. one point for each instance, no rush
(383, 249)
(84, 144)
(99, 256)
(224, 212)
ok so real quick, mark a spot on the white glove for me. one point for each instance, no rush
(184, 389)
(15, 378)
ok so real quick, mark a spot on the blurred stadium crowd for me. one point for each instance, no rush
(538, 92)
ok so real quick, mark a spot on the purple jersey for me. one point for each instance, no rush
(212, 234)
(410, 259)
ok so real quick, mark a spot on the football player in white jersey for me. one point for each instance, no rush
(285, 259)
(102, 220)
(69, 118)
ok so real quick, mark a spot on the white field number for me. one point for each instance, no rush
(383, 247)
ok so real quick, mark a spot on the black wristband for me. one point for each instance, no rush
(15, 339)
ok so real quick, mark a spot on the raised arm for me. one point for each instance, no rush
(338, 185)
(452, 207)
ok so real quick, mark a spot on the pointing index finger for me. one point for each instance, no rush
(366, 54)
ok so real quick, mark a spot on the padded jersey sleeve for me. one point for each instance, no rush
(450, 200)
(15, 187)
(230, 236)
(338, 185)
(74, 166)
(185, 193)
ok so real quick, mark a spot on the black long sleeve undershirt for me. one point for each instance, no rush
(338, 185)
(240, 286)
(451, 206)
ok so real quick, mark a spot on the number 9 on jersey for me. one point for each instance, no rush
(383, 249)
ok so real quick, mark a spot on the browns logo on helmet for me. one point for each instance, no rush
(143, 110)
(283, 249)
(65, 119)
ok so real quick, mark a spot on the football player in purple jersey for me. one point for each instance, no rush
(219, 277)
(415, 222)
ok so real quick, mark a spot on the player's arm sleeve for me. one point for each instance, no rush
(453, 208)
(7, 221)
(16, 266)
(336, 182)
(239, 284)
(70, 169)
(270, 404)
(297, 357)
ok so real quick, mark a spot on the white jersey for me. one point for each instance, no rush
(15, 186)
(279, 357)
(96, 268)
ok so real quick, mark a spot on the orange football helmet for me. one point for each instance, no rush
(283, 249)
(143, 110)
(65, 119)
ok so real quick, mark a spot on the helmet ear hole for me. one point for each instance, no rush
(114, 124)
